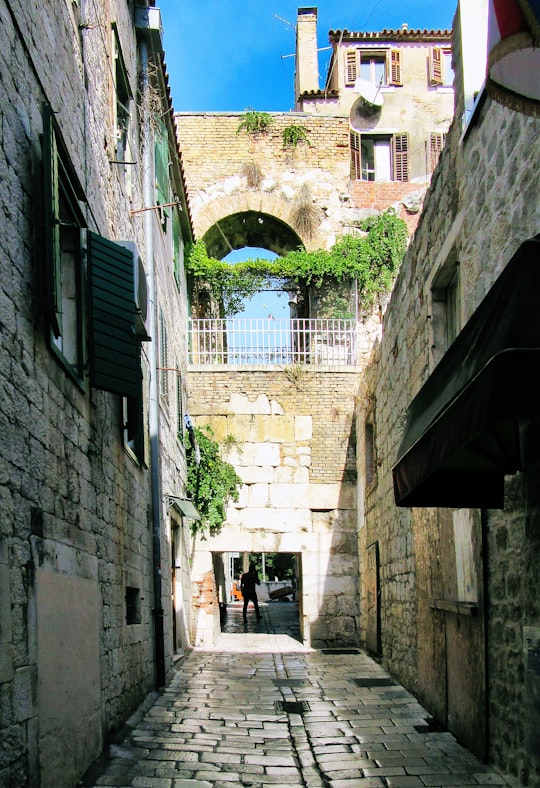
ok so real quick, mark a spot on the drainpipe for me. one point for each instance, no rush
(153, 414)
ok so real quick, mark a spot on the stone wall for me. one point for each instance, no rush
(76, 526)
(481, 206)
(292, 440)
(216, 155)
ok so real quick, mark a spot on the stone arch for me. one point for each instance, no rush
(252, 218)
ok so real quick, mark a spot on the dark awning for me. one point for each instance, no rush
(185, 506)
(462, 433)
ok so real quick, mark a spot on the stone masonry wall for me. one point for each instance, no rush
(215, 157)
(482, 204)
(292, 441)
(76, 526)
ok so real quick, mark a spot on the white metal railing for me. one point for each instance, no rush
(322, 342)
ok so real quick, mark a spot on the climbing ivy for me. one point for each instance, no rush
(372, 259)
(211, 484)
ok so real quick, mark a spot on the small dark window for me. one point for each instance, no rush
(370, 454)
(133, 605)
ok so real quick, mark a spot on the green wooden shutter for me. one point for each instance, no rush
(177, 248)
(162, 166)
(51, 223)
(114, 349)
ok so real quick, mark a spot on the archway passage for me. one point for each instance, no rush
(250, 228)
(279, 594)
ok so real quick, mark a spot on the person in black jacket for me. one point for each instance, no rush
(247, 587)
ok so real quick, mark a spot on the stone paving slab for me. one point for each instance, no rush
(218, 724)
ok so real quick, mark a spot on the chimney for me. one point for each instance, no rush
(307, 65)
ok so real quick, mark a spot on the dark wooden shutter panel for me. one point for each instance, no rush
(436, 144)
(401, 157)
(356, 159)
(115, 351)
(395, 67)
(51, 218)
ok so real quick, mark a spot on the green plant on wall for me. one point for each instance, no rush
(372, 259)
(334, 306)
(254, 122)
(211, 483)
(294, 134)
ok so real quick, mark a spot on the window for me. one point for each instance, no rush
(133, 605)
(178, 248)
(163, 359)
(379, 157)
(179, 404)
(162, 171)
(436, 144)
(121, 104)
(133, 421)
(64, 224)
(441, 72)
(373, 68)
(380, 67)
(445, 308)
(451, 298)
(369, 436)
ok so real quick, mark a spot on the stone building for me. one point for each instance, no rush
(245, 192)
(359, 154)
(394, 87)
(450, 574)
(92, 295)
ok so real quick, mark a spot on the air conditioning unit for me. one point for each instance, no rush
(140, 293)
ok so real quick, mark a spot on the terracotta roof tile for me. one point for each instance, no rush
(319, 94)
(390, 35)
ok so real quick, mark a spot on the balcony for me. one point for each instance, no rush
(257, 341)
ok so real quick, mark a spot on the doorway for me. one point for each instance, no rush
(279, 593)
(180, 588)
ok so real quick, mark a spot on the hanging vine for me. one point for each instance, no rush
(372, 259)
(211, 482)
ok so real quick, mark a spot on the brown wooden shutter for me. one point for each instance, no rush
(436, 144)
(395, 67)
(356, 159)
(401, 157)
(351, 66)
(436, 66)
(370, 453)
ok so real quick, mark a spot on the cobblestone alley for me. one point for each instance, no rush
(261, 710)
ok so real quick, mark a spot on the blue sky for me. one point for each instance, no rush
(231, 54)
